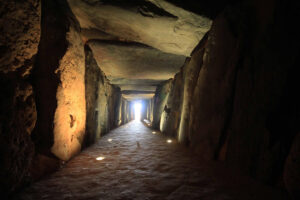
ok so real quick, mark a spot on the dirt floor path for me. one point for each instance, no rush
(137, 164)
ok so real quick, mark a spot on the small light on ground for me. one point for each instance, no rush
(100, 158)
(109, 140)
(153, 132)
(169, 141)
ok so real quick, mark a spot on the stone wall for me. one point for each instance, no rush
(147, 109)
(81, 104)
(109, 98)
(235, 99)
(170, 117)
(160, 100)
(103, 101)
(92, 79)
(51, 86)
(19, 39)
(59, 81)
(126, 114)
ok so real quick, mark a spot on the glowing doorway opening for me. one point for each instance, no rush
(137, 110)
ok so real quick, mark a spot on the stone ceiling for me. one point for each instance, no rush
(139, 43)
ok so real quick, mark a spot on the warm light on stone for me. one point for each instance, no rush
(70, 113)
(100, 158)
(153, 132)
(169, 141)
(109, 140)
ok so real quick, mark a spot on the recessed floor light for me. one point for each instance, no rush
(153, 132)
(109, 140)
(169, 141)
(100, 158)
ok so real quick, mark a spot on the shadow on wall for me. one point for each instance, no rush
(103, 101)
(17, 104)
(59, 89)
(82, 104)
(50, 92)
(235, 99)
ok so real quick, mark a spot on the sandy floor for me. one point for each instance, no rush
(142, 165)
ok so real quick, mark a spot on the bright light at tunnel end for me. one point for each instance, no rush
(137, 110)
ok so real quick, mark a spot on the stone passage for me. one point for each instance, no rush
(135, 163)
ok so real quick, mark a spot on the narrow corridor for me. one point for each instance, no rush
(136, 163)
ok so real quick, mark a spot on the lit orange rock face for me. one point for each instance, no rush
(70, 115)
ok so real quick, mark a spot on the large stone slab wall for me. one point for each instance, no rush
(103, 101)
(59, 81)
(19, 39)
(236, 95)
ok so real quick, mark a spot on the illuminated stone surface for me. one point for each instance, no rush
(136, 40)
(156, 23)
(235, 99)
(135, 61)
(140, 165)
(70, 114)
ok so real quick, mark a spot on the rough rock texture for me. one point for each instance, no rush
(127, 37)
(75, 89)
(138, 87)
(173, 98)
(244, 108)
(150, 107)
(155, 23)
(234, 100)
(137, 95)
(170, 117)
(135, 61)
(70, 114)
(126, 113)
(190, 74)
(92, 79)
(19, 38)
(160, 100)
(265, 115)
(109, 98)
(20, 34)
(59, 81)
(213, 89)
(210, 8)
(134, 89)
(17, 119)
(147, 109)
